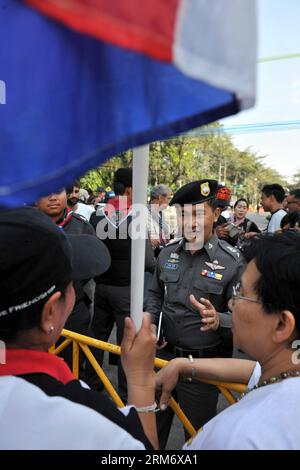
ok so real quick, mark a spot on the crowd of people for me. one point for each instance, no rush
(214, 279)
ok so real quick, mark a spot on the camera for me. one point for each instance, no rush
(233, 230)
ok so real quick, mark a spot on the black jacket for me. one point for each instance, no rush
(119, 246)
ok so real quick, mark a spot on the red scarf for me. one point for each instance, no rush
(29, 361)
(66, 217)
(117, 210)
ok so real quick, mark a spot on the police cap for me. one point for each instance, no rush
(196, 192)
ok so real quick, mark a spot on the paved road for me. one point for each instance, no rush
(259, 219)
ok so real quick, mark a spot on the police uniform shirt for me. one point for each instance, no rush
(210, 273)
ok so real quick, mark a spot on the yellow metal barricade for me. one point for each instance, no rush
(85, 342)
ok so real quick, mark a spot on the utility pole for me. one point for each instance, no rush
(220, 169)
(225, 170)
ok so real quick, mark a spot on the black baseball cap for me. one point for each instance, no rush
(38, 258)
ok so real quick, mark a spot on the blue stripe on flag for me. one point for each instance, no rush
(73, 101)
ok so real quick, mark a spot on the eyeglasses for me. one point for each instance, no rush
(236, 295)
(295, 201)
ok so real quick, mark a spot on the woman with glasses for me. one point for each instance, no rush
(266, 325)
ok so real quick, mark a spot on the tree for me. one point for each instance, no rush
(296, 180)
(208, 154)
(103, 175)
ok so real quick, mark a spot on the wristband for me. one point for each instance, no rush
(193, 371)
(148, 409)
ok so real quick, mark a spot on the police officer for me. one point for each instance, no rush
(191, 274)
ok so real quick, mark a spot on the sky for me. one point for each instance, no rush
(278, 88)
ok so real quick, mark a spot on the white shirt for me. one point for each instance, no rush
(84, 210)
(267, 418)
(33, 420)
(276, 218)
(226, 214)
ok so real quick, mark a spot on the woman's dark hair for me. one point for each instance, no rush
(12, 324)
(292, 218)
(277, 258)
(242, 199)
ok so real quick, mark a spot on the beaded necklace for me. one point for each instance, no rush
(272, 380)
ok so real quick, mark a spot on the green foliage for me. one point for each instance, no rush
(296, 181)
(103, 175)
(182, 159)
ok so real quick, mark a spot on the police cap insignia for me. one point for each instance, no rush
(190, 193)
(205, 189)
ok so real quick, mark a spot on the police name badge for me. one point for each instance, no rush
(171, 265)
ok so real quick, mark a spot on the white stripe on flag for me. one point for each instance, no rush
(215, 42)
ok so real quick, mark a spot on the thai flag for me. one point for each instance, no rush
(87, 79)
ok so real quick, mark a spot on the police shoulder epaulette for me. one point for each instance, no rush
(234, 252)
(173, 242)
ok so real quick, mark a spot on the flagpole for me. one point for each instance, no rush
(139, 231)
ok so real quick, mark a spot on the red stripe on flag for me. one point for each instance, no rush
(145, 26)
